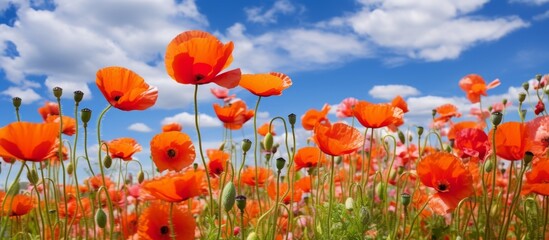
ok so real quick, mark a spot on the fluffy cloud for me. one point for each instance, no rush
(258, 15)
(140, 127)
(27, 95)
(388, 92)
(541, 16)
(533, 2)
(187, 119)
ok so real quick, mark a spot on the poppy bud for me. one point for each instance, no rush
(490, 108)
(241, 202)
(538, 77)
(57, 92)
(70, 169)
(419, 131)
(504, 101)
(292, 119)
(228, 196)
(496, 118)
(526, 86)
(222, 146)
(268, 142)
(78, 96)
(521, 97)
(522, 114)
(195, 166)
(280, 162)
(434, 113)
(85, 116)
(405, 199)
(528, 156)
(448, 148)
(252, 236)
(379, 190)
(540, 107)
(246, 145)
(349, 204)
(101, 218)
(236, 231)
(364, 215)
(16, 102)
(107, 161)
(32, 176)
(140, 177)
(488, 166)
(401, 137)
(338, 159)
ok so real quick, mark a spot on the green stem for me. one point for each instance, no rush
(331, 198)
(488, 233)
(255, 154)
(16, 180)
(109, 202)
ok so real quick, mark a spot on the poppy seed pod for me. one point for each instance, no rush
(85, 116)
(195, 166)
(78, 96)
(228, 196)
(246, 145)
(57, 92)
(526, 86)
(241, 202)
(405, 199)
(538, 77)
(521, 97)
(504, 101)
(496, 118)
(528, 156)
(292, 118)
(420, 130)
(280, 162)
(268, 142)
(16, 102)
(101, 218)
(434, 113)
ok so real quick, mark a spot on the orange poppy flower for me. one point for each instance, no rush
(20, 205)
(49, 109)
(172, 127)
(474, 86)
(304, 184)
(97, 181)
(446, 174)
(460, 126)
(282, 188)
(69, 123)
(128, 224)
(197, 57)
(345, 108)
(74, 211)
(266, 84)
(175, 187)
(172, 150)
(313, 116)
(538, 130)
(308, 157)
(399, 102)
(377, 115)
(264, 129)
(233, 115)
(218, 160)
(338, 138)
(154, 223)
(28, 141)
(123, 148)
(512, 140)
(124, 89)
(55, 153)
(537, 180)
(248, 176)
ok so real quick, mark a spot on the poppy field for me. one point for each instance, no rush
(367, 176)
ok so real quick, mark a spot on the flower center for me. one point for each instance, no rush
(443, 186)
(199, 77)
(164, 230)
(116, 98)
(171, 153)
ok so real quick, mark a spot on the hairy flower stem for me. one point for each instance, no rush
(16, 180)
(331, 198)
(104, 182)
(488, 233)
(255, 155)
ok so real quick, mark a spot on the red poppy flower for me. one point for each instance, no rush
(446, 174)
(20, 205)
(512, 140)
(74, 211)
(446, 112)
(474, 86)
(49, 109)
(472, 142)
(218, 161)
(308, 157)
(28, 141)
(460, 126)
(345, 108)
(123, 148)
(313, 116)
(248, 176)
(377, 115)
(172, 150)
(55, 153)
(264, 129)
(537, 180)
(538, 130)
(337, 139)
(233, 115)
(154, 223)
(266, 84)
(282, 188)
(197, 57)
(399, 102)
(69, 123)
(124, 89)
(172, 127)
(304, 184)
(175, 187)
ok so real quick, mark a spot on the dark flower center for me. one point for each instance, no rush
(199, 77)
(116, 98)
(171, 153)
(443, 186)
(164, 230)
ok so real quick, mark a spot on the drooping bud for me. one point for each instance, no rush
(140, 177)
(280, 162)
(228, 196)
(526, 86)
(16, 102)
(496, 118)
(419, 131)
(107, 161)
(100, 218)
(32, 176)
(522, 97)
(57, 92)
(528, 156)
(268, 142)
(241, 202)
(246, 145)
(401, 137)
(78, 96)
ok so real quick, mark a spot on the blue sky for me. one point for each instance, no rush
(367, 49)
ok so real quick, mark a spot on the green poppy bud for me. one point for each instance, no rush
(538, 77)
(401, 137)
(268, 142)
(528, 156)
(32, 176)
(140, 177)
(228, 196)
(420, 130)
(85, 116)
(100, 218)
(70, 169)
(252, 236)
(526, 86)
(292, 119)
(488, 166)
(107, 161)
(496, 118)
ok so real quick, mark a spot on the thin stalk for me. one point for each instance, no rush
(331, 198)
(255, 154)
(104, 182)
(16, 180)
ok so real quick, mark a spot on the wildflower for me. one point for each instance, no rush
(512, 140)
(304, 184)
(154, 223)
(248, 176)
(222, 93)
(233, 115)
(266, 84)
(445, 173)
(446, 112)
(460, 126)
(283, 188)
(197, 57)
(20, 205)
(337, 139)
(49, 109)
(399, 102)
(313, 116)
(474, 86)
(172, 150)
(218, 161)
(537, 180)
(69, 123)
(540, 107)
(74, 211)
(175, 187)
(472, 142)
(308, 157)
(538, 130)
(28, 141)
(123, 148)
(264, 129)
(172, 127)
(345, 108)
(377, 115)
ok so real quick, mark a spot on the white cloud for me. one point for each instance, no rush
(533, 2)
(187, 119)
(431, 30)
(140, 127)
(389, 92)
(257, 15)
(541, 16)
(27, 95)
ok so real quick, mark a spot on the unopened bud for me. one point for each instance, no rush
(488, 166)
(195, 166)
(252, 236)
(538, 77)
(107, 161)
(528, 156)
(16, 102)
(521, 97)
(78, 96)
(268, 142)
(526, 86)
(228, 196)
(364, 215)
(420, 130)
(246, 145)
(434, 113)
(504, 101)
(57, 92)
(70, 169)
(32, 176)
(140, 177)
(85, 116)
(349, 202)
(100, 218)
